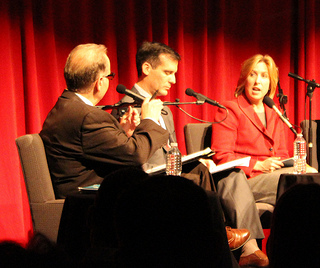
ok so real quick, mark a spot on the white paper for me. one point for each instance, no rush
(241, 162)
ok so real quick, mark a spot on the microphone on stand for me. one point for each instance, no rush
(204, 98)
(310, 83)
(270, 103)
(123, 90)
(139, 98)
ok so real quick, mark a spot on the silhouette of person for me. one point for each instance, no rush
(167, 221)
(294, 240)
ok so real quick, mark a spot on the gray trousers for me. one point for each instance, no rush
(238, 202)
(264, 187)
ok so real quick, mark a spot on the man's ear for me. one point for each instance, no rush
(98, 84)
(146, 68)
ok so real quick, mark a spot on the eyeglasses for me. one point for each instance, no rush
(110, 76)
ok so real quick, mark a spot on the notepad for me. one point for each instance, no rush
(90, 188)
(241, 162)
(153, 170)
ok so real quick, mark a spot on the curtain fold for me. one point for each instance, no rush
(213, 38)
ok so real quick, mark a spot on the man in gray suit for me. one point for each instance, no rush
(157, 65)
(157, 82)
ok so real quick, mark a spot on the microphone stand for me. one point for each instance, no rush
(198, 102)
(283, 99)
(310, 89)
(135, 104)
(311, 85)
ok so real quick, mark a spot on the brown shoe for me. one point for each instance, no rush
(237, 237)
(256, 259)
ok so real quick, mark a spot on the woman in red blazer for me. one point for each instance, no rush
(253, 129)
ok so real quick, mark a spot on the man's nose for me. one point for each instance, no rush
(172, 79)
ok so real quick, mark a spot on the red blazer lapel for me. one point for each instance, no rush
(246, 107)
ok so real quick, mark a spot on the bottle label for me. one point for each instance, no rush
(173, 166)
(300, 155)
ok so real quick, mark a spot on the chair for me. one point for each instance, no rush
(45, 208)
(315, 133)
(198, 137)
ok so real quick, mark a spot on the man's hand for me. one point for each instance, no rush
(151, 109)
(130, 120)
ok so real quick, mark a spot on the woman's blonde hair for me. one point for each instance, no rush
(247, 67)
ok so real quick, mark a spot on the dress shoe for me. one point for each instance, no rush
(237, 237)
(256, 259)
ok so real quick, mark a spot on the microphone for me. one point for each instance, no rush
(137, 97)
(312, 83)
(295, 76)
(270, 103)
(204, 98)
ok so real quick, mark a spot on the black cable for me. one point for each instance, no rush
(201, 120)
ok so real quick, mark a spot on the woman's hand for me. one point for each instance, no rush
(130, 120)
(268, 165)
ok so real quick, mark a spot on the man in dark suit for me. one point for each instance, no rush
(84, 143)
(157, 65)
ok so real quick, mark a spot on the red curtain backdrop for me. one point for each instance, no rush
(213, 38)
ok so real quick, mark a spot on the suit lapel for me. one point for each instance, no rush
(167, 121)
(247, 109)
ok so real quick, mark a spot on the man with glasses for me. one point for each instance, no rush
(84, 143)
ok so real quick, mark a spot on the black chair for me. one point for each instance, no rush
(198, 137)
(315, 124)
(45, 208)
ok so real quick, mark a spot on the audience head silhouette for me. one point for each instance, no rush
(166, 222)
(13, 255)
(101, 222)
(293, 240)
(39, 252)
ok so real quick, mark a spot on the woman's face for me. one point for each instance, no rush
(257, 83)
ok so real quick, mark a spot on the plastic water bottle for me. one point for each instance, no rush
(300, 154)
(174, 165)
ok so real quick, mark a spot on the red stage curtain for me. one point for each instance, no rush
(213, 38)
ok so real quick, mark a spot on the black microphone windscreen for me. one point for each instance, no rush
(190, 92)
(268, 101)
(121, 89)
(295, 76)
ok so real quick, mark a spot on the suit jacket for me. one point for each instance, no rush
(243, 134)
(159, 156)
(84, 143)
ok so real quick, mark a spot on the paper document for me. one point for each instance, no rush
(241, 162)
(91, 188)
(185, 159)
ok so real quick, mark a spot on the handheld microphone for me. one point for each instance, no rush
(204, 98)
(270, 103)
(137, 97)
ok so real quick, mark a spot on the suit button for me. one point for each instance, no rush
(271, 149)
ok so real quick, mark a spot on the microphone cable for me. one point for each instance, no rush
(201, 120)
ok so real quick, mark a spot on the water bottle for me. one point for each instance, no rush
(300, 154)
(174, 165)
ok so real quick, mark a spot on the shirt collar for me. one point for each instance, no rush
(84, 99)
(142, 91)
